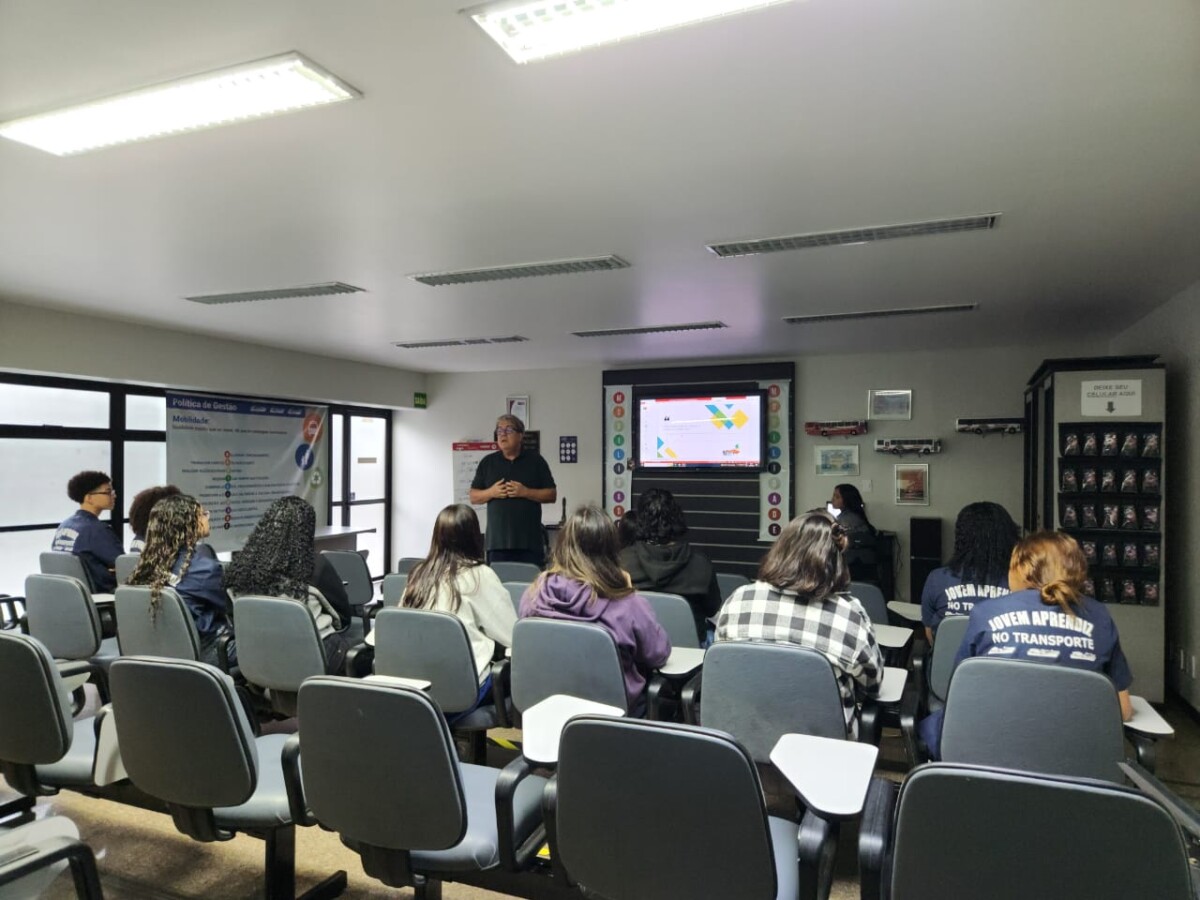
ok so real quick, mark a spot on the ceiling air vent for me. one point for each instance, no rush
(523, 270)
(650, 329)
(308, 290)
(459, 342)
(854, 236)
(880, 313)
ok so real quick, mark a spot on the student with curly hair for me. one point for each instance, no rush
(453, 578)
(661, 559)
(83, 534)
(277, 561)
(800, 598)
(585, 583)
(984, 536)
(139, 512)
(174, 557)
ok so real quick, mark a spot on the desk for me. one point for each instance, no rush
(338, 537)
(892, 688)
(682, 661)
(909, 611)
(892, 637)
(542, 724)
(831, 776)
(1147, 720)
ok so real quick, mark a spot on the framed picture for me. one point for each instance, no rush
(519, 407)
(912, 484)
(889, 404)
(837, 460)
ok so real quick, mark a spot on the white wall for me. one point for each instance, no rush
(1173, 330)
(50, 341)
(945, 384)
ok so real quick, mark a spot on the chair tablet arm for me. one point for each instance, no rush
(12, 618)
(223, 653)
(690, 699)
(47, 852)
(550, 821)
(293, 783)
(360, 660)
(868, 728)
(501, 681)
(512, 857)
(816, 848)
(95, 673)
(910, 705)
(1183, 813)
(875, 836)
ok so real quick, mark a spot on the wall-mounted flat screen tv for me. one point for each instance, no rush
(698, 431)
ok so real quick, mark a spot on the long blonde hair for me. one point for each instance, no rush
(174, 526)
(1053, 564)
(587, 551)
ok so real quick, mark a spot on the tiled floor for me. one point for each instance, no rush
(142, 856)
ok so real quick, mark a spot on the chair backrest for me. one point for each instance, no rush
(516, 590)
(729, 582)
(1033, 717)
(62, 616)
(946, 641)
(516, 571)
(57, 562)
(871, 598)
(125, 565)
(418, 643)
(1119, 843)
(392, 589)
(615, 779)
(183, 733)
(550, 656)
(674, 614)
(278, 645)
(352, 569)
(407, 563)
(404, 790)
(169, 632)
(759, 692)
(37, 726)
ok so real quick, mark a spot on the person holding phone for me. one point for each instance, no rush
(514, 483)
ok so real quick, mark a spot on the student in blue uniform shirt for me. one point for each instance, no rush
(984, 536)
(83, 534)
(139, 512)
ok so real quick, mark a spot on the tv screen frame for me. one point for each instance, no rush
(637, 464)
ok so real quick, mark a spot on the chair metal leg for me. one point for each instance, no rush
(281, 863)
(427, 888)
(19, 810)
(84, 874)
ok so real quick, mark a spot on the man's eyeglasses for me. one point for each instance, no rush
(109, 492)
(505, 431)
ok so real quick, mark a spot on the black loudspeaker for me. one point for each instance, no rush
(925, 553)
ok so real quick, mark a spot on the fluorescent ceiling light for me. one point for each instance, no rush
(534, 29)
(250, 91)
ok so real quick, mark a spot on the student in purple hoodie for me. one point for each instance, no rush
(585, 583)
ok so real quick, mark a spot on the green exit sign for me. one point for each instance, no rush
(420, 401)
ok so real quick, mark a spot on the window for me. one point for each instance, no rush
(361, 479)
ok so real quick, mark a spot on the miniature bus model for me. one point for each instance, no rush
(983, 426)
(924, 446)
(830, 429)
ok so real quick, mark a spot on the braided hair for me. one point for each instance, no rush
(174, 526)
(984, 535)
(277, 560)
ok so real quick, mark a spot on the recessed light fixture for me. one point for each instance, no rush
(852, 236)
(249, 91)
(309, 290)
(459, 342)
(650, 329)
(529, 30)
(523, 270)
(880, 313)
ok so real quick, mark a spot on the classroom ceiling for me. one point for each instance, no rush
(1078, 122)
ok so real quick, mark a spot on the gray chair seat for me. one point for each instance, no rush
(480, 847)
(269, 802)
(784, 836)
(76, 766)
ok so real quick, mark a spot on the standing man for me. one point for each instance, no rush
(513, 484)
(84, 535)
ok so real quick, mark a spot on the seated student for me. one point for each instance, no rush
(139, 512)
(862, 553)
(662, 560)
(83, 534)
(277, 561)
(627, 530)
(585, 583)
(984, 535)
(454, 578)
(799, 598)
(1047, 612)
(174, 557)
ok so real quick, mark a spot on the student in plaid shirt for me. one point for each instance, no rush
(800, 598)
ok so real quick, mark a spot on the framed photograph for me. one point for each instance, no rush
(519, 407)
(912, 484)
(889, 404)
(837, 460)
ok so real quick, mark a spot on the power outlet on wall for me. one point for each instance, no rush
(866, 485)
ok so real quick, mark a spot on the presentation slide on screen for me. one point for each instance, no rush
(700, 431)
(238, 456)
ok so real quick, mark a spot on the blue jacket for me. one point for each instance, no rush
(94, 543)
